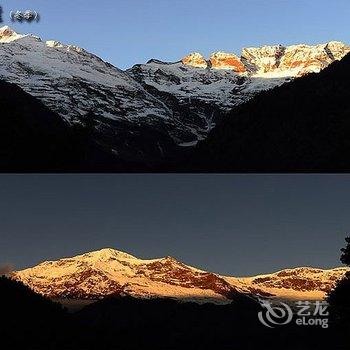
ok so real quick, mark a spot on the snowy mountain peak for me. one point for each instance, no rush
(169, 258)
(54, 43)
(224, 60)
(108, 254)
(195, 59)
(274, 61)
(337, 49)
(72, 81)
(59, 45)
(6, 29)
(108, 271)
(7, 35)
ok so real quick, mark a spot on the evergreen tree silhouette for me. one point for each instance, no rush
(339, 297)
(345, 258)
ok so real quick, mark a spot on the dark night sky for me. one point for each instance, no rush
(230, 224)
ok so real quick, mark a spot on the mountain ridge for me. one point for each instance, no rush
(151, 116)
(281, 61)
(302, 126)
(178, 100)
(97, 274)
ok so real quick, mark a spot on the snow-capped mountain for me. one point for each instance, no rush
(303, 283)
(110, 272)
(80, 86)
(142, 111)
(72, 81)
(107, 271)
(207, 88)
(273, 61)
(199, 96)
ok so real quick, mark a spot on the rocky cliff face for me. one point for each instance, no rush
(196, 60)
(274, 61)
(97, 274)
(222, 60)
(218, 60)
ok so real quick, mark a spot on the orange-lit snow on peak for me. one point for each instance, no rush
(274, 61)
(223, 60)
(94, 275)
(7, 35)
(195, 59)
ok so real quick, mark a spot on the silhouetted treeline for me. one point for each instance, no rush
(28, 320)
(301, 126)
(129, 323)
(33, 322)
(339, 300)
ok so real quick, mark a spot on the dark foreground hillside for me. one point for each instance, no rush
(35, 139)
(301, 126)
(32, 138)
(33, 322)
(28, 320)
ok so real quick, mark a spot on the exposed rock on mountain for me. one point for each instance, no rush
(110, 272)
(105, 272)
(275, 61)
(303, 283)
(222, 60)
(195, 59)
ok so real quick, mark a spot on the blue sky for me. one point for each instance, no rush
(125, 32)
(232, 224)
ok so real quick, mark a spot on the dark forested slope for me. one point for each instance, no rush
(300, 126)
(33, 138)
(30, 321)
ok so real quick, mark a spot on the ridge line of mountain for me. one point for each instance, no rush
(217, 60)
(144, 118)
(96, 274)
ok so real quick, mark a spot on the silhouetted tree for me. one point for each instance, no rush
(339, 297)
(345, 258)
